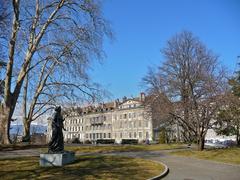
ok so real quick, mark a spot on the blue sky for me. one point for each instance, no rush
(142, 28)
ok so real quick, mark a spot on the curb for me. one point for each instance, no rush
(163, 174)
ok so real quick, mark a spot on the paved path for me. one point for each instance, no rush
(181, 168)
(184, 168)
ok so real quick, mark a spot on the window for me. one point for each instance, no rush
(147, 135)
(134, 115)
(129, 115)
(130, 124)
(146, 123)
(125, 116)
(140, 123)
(130, 135)
(104, 135)
(126, 124)
(109, 135)
(135, 135)
(140, 134)
(120, 135)
(120, 116)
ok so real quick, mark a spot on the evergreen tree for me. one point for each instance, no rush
(228, 121)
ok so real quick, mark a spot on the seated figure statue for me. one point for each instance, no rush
(56, 144)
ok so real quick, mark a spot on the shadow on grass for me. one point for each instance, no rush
(14, 147)
(85, 167)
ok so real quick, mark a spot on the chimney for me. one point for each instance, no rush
(142, 96)
(124, 98)
(116, 103)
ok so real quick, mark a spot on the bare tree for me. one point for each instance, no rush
(58, 38)
(4, 20)
(228, 121)
(49, 91)
(193, 81)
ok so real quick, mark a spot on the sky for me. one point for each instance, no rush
(142, 27)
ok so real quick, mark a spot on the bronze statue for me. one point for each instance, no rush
(56, 145)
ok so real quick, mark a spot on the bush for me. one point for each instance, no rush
(105, 141)
(76, 141)
(87, 142)
(129, 141)
(162, 137)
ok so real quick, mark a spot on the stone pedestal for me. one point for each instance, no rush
(58, 159)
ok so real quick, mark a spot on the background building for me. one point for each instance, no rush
(126, 119)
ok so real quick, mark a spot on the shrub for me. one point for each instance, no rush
(76, 141)
(129, 141)
(162, 137)
(105, 141)
(87, 142)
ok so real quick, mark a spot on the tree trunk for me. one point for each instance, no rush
(26, 130)
(5, 116)
(201, 141)
(238, 137)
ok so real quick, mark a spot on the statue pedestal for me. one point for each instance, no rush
(58, 159)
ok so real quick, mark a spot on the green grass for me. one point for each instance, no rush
(231, 155)
(122, 148)
(85, 167)
(22, 146)
(97, 148)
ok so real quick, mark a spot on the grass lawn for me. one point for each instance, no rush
(12, 147)
(85, 167)
(97, 148)
(231, 155)
(122, 148)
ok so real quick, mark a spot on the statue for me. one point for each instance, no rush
(56, 144)
(56, 155)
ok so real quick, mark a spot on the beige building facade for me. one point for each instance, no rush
(128, 119)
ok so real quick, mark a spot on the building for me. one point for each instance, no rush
(126, 119)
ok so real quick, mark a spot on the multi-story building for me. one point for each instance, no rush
(128, 119)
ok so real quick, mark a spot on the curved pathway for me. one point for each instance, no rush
(181, 168)
(184, 168)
